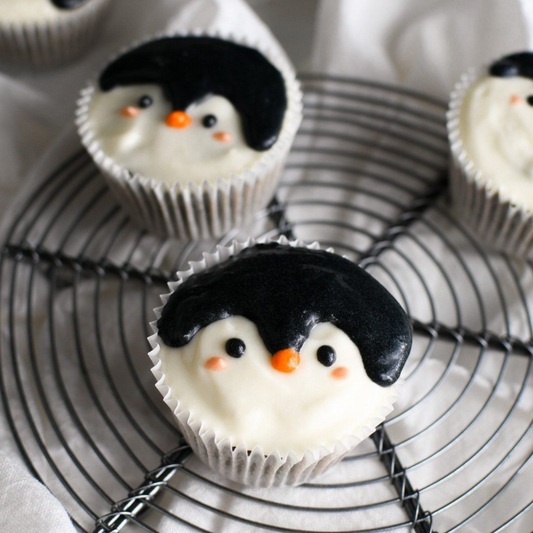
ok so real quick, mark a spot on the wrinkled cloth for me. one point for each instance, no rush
(26, 505)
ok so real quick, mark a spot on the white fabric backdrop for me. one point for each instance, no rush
(422, 44)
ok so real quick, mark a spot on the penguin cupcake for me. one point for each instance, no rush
(191, 131)
(277, 359)
(490, 125)
(45, 33)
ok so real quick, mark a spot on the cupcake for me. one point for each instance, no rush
(490, 125)
(45, 33)
(277, 359)
(191, 131)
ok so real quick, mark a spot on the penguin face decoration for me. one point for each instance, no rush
(496, 126)
(188, 108)
(291, 347)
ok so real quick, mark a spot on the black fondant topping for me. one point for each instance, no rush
(189, 69)
(287, 291)
(68, 4)
(209, 121)
(235, 347)
(520, 64)
(145, 101)
(326, 355)
(530, 99)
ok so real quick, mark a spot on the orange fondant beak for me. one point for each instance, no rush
(178, 119)
(286, 360)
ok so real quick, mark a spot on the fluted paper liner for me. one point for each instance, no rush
(48, 43)
(235, 460)
(498, 222)
(209, 209)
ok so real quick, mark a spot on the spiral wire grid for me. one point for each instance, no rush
(367, 174)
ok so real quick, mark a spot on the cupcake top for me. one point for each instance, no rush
(284, 348)
(188, 108)
(496, 127)
(25, 10)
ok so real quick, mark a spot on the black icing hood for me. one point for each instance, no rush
(520, 64)
(68, 4)
(286, 291)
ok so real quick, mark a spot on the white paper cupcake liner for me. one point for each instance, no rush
(497, 221)
(48, 43)
(199, 211)
(237, 462)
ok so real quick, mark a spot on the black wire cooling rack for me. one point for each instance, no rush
(367, 177)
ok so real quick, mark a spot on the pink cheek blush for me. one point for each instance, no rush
(223, 136)
(340, 372)
(216, 364)
(129, 111)
(515, 99)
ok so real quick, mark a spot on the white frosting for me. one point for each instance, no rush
(31, 10)
(251, 403)
(145, 144)
(496, 127)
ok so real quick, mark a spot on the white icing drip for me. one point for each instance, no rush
(146, 145)
(251, 403)
(31, 10)
(497, 135)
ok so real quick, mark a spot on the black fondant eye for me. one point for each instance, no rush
(145, 101)
(235, 347)
(209, 121)
(326, 355)
(530, 99)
